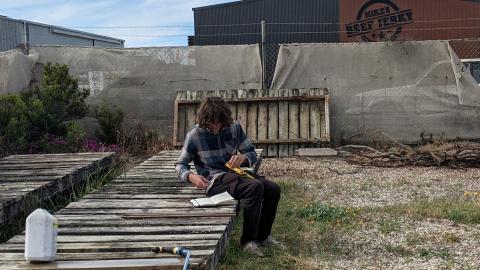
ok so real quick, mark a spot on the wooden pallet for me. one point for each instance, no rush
(279, 121)
(28, 180)
(115, 227)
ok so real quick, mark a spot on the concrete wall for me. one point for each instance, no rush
(143, 82)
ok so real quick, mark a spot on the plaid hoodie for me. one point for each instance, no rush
(210, 151)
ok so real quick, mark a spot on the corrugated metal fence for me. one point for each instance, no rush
(10, 34)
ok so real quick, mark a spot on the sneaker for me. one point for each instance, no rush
(270, 241)
(252, 249)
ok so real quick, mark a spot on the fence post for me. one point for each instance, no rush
(264, 56)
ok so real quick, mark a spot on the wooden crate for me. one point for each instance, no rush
(279, 121)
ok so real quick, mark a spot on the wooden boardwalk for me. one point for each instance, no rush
(115, 227)
(28, 180)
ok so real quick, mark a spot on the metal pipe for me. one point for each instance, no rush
(264, 57)
(175, 250)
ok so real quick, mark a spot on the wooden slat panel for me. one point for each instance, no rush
(260, 113)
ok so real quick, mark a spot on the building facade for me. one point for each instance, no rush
(17, 33)
(320, 21)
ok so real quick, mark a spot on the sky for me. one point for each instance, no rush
(138, 22)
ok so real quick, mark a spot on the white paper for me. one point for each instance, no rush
(218, 199)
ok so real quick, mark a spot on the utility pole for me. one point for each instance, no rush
(25, 38)
(264, 56)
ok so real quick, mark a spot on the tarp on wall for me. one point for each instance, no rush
(16, 70)
(143, 81)
(394, 89)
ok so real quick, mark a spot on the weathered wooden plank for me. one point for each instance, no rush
(42, 166)
(132, 264)
(190, 112)
(137, 222)
(39, 184)
(304, 117)
(164, 190)
(315, 118)
(263, 99)
(27, 173)
(200, 212)
(139, 237)
(115, 246)
(283, 124)
(119, 221)
(59, 157)
(125, 204)
(293, 122)
(30, 178)
(261, 124)
(242, 109)
(272, 124)
(139, 196)
(181, 119)
(189, 229)
(252, 115)
(80, 256)
(232, 94)
(326, 120)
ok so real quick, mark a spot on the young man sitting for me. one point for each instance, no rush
(213, 142)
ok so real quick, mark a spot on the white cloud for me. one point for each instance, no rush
(110, 13)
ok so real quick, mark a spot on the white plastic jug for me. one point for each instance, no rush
(41, 236)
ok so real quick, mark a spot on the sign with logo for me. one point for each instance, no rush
(379, 20)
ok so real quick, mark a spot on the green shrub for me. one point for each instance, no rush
(57, 101)
(14, 124)
(75, 136)
(110, 121)
(39, 119)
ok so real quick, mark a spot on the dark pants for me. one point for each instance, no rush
(259, 199)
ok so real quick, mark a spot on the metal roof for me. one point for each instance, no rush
(225, 4)
(69, 31)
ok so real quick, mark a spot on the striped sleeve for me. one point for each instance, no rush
(188, 153)
(245, 146)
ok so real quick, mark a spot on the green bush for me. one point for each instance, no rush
(75, 136)
(14, 124)
(110, 121)
(57, 101)
(40, 119)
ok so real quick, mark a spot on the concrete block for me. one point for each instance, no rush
(315, 152)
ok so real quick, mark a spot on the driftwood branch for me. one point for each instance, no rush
(454, 155)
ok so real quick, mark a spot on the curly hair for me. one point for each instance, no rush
(214, 110)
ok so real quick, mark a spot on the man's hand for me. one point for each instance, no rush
(198, 180)
(237, 160)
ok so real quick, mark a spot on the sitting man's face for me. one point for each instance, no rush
(215, 127)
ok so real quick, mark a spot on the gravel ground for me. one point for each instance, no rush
(371, 186)
(407, 243)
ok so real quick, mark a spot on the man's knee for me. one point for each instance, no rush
(256, 186)
(276, 190)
